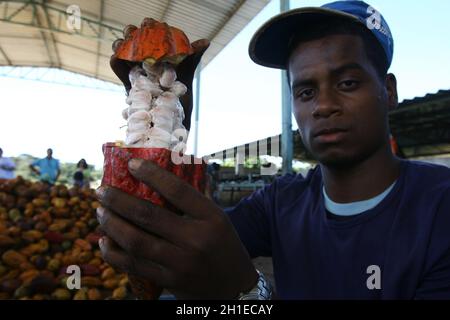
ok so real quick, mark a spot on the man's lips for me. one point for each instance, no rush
(329, 135)
(323, 131)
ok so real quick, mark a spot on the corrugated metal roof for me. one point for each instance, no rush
(35, 33)
(441, 94)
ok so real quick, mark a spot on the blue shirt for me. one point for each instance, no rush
(7, 162)
(405, 239)
(48, 169)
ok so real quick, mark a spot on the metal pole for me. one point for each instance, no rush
(286, 116)
(197, 107)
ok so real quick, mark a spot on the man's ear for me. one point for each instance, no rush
(391, 89)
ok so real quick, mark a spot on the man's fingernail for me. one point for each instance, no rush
(100, 214)
(134, 164)
(100, 192)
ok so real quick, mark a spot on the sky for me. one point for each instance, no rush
(239, 101)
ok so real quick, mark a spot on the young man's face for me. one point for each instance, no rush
(339, 102)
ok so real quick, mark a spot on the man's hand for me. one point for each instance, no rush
(197, 255)
(185, 71)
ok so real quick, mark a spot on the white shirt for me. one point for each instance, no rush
(352, 208)
(7, 174)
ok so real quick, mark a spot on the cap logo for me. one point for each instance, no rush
(374, 20)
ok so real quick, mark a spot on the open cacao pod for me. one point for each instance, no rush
(154, 42)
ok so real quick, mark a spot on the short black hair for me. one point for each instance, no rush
(337, 25)
(83, 163)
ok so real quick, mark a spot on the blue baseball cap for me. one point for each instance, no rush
(270, 44)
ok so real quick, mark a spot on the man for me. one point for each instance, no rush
(7, 167)
(47, 168)
(362, 225)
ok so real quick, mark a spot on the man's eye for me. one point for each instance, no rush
(305, 94)
(348, 84)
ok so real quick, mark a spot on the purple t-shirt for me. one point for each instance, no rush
(400, 249)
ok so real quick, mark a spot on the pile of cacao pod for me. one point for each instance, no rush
(43, 230)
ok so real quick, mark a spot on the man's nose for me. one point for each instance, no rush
(326, 104)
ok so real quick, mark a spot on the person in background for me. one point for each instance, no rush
(81, 177)
(213, 170)
(7, 167)
(47, 168)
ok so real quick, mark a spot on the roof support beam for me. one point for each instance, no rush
(102, 11)
(166, 9)
(287, 144)
(52, 36)
(37, 20)
(8, 61)
(229, 17)
(50, 45)
(5, 10)
(19, 10)
(60, 43)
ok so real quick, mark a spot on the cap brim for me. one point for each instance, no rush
(270, 44)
